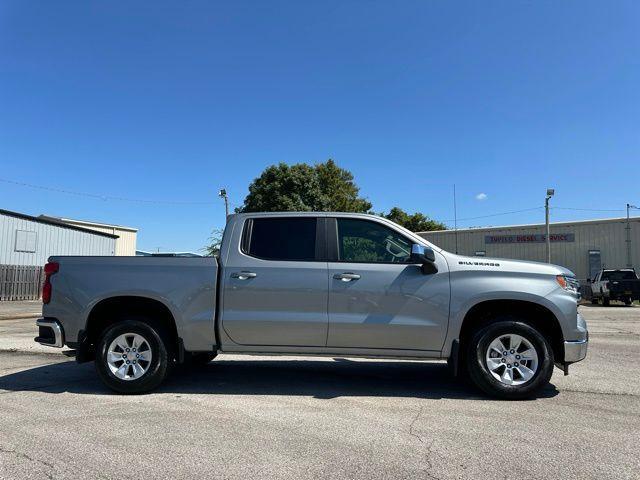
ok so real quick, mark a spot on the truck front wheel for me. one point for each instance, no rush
(509, 359)
(131, 357)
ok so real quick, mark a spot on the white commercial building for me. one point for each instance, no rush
(26, 242)
(127, 236)
(582, 246)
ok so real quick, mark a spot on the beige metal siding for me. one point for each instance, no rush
(608, 236)
(126, 241)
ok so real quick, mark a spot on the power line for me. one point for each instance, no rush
(589, 209)
(535, 208)
(496, 214)
(103, 197)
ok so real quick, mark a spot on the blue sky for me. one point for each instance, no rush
(171, 101)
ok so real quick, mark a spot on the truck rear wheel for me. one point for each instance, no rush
(606, 301)
(131, 357)
(509, 359)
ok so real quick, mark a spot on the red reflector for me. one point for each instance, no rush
(46, 291)
(49, 269)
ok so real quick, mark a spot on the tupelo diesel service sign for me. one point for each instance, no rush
(531, 238)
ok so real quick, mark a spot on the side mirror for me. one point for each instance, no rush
(424, 256)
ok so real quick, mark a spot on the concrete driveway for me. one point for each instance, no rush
(290, 417)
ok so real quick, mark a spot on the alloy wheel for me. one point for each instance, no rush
(512, 359)
(129, 356)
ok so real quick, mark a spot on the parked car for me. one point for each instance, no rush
(615, 284)
(334, 284)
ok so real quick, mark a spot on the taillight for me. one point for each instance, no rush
(49, 269)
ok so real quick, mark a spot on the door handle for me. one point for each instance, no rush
(346, 276)
(243, 275)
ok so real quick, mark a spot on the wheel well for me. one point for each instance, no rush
(111, 310)
(539, 317)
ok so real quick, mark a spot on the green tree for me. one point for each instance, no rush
(302, 187)
(338, 186)
(213, 249)
(416, 222)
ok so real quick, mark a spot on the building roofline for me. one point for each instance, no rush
(146, 252)
(530, 225)
(53, 222)
(86, 222)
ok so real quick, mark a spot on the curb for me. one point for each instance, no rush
(30, 352)
(19, 316)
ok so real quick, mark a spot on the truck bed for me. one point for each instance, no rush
(185, 286)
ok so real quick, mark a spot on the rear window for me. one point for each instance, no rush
(618, 275)
(283, 238)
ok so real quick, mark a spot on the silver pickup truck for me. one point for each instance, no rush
(334, 284)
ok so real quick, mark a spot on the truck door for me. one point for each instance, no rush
(276, 283)
(376, 298)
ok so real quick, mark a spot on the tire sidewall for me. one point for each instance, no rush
(157, 370)
(480, 374)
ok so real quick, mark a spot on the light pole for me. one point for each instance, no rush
(550, 192)
(455, 217)
(629, 263)
(223, 193)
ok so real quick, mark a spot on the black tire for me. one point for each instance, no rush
(594, 301)
(479, 372)
(157, 369)
(606, 301)
(197, 359)
(628, 301)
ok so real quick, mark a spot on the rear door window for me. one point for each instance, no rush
(282, 238)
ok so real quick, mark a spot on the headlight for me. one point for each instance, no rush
(570, 284)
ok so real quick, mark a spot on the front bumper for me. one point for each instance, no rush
(575, 351)
(50, 333)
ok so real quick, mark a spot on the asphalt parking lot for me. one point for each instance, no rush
(293, 417)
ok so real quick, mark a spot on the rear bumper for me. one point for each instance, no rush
(50, 333)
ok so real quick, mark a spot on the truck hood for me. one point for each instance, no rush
(461, 262)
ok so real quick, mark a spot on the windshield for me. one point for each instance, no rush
(617, 275)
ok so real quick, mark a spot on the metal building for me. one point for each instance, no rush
(26, 242)
(582, 246)
(127, 236)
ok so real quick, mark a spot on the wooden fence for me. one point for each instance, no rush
(21, 282)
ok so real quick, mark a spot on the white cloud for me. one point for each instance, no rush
(481, 196)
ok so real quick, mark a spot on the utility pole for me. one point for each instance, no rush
(628, 228)
(550, 193)
(455, 218)
(223, 193)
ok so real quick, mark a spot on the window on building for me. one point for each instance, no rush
(25, 241)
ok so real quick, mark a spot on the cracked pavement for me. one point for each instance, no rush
(294, 417)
